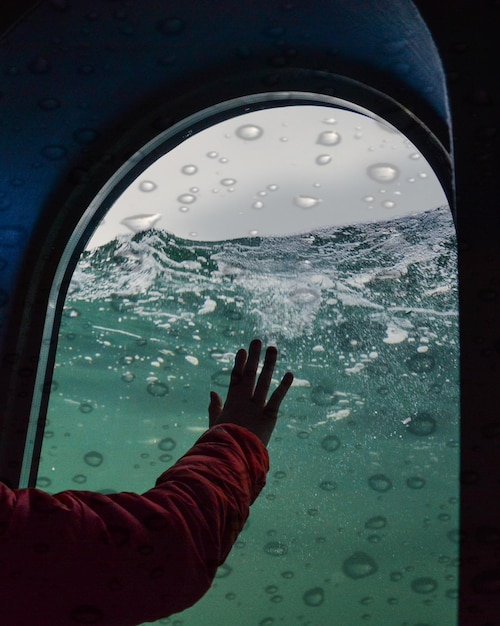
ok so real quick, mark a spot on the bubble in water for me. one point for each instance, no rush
(376, 523)
(305, 202)
(314, 596)
(167, 444)
(157, 389)
(330, 443)
(425, 584)
(422, 425)
(383, 172)
(359, 565)
(275, 548)
(147, 186)
(189, 170)
(94, 459)
(328, 138)
(380, 483)
(138, 223)
(249, 132)
(323, 159)
(304, 295)
(228, 182)
(186, 198)
(128, 377)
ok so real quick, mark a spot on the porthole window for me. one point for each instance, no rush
(313, 223)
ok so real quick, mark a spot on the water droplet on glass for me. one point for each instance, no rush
(249, 132)
(426, 584)
(258, 205)
(422, 175)
(380, 483)
(376, 523)
(262, 194)
(305, 202)
(253, 233)
(383, 172)
(273, 187)
(415, 156)
(323, 159)
(368, 199)
(422, 425)
(330, 120)
(138, 223)
(147, 186)
(328, 138)
(128, 377)
(228, 182)
(314, 596)
(49, 104)
(157, 389)
(212, 155)
(94, 459)
(330, 443)
(187, 198)
(171, 26)
(275, 548)
(415, 482)
(325, 395)
(284, 139)
(54, 153)
(184, 209)
(388, 204)
(224, 160)
(359, 565)
(167, 444)
(194, 189)
(189, 170)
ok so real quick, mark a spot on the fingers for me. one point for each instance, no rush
(266, 376)
(214, 408)
(244, 371)
(272, 407)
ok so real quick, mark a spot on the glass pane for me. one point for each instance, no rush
(324, 230)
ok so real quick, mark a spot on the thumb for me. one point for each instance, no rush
(214, 408)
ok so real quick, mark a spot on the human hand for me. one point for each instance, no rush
(246, 401)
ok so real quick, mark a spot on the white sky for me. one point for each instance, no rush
(295, 169)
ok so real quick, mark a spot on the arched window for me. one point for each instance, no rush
(318, 224)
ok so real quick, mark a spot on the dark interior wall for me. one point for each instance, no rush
(467, 38)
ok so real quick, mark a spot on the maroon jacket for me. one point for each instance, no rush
(80, 557)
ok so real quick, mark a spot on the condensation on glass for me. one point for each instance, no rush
(319, 227)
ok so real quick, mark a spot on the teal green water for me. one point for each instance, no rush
(359, 520)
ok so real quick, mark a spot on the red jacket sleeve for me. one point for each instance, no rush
(79, 557)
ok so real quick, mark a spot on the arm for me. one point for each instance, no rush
(127, 558)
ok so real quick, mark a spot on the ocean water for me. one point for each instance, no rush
(358, 522)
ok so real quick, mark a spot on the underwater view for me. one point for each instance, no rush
(358, 522)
